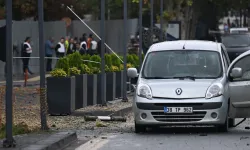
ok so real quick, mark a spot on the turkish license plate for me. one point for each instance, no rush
(178, 109)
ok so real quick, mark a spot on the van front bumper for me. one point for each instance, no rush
(204, 111)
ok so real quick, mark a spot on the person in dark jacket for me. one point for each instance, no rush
(26, 52)
(3, 46)
(71, 47)
(99, 47)
(49, 48)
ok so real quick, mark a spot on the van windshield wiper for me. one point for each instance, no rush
(157, 77)
(185, 77)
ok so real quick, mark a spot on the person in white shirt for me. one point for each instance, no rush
(60, 48)
(93, 47)
(83, 46)
(26, 52)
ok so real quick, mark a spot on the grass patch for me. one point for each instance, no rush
(18, 129)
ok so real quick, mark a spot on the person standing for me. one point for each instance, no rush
(89, 41)
(99, 47)
(49, 52)
(66, 43)
(83, 46)
(60, 48)
(26, 52)
(72, 47)
(93, 47)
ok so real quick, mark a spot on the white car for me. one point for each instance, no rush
(238, 30)
(191, 83)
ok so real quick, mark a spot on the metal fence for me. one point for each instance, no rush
(57, 29)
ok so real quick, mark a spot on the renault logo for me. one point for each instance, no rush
(178, 91)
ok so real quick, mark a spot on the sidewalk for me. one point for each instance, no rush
(42, 141)
(33, 80)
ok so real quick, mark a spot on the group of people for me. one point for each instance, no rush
(65, 46)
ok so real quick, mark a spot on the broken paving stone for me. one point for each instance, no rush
(247, 128)
(104, 137)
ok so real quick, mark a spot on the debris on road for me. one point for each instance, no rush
(105, 118)
(99, 123)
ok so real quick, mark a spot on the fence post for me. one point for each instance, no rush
(152, 21)
(103, 85)
(161, 21)
(125, 14)
(140, 34)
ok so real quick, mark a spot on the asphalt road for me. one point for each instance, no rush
(167, 139)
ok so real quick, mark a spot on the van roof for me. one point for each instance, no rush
(185, 44)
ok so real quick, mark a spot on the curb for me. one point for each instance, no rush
(56, 141)
(21, 84)
(121, 112)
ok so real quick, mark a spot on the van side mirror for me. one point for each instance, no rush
(236, 73)
(132, 73)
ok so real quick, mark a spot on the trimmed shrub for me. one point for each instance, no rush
(74, 71)
(75, 60)
(58, 73)
(63, 63)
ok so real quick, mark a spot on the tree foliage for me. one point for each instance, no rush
(55, 10)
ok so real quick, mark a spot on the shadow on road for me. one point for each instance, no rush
(202, 131)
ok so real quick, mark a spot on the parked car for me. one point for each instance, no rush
(191, 83)
(236, 44)
(238, 30)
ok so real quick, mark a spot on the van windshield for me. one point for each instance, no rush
(182, 63)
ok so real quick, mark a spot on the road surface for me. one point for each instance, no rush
(165, 139)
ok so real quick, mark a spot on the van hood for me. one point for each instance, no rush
(167, 88)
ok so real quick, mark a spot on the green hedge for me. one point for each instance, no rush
(76, 63)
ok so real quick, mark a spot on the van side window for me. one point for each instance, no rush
(244, 64)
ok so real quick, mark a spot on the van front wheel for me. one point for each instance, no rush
(224, 128)
(231, 123)
(139, 128)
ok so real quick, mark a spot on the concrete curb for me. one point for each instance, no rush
(121, 112)
(21, 84)
(56, 141)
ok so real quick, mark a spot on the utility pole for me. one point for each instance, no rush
(43, 106)
(9, 141)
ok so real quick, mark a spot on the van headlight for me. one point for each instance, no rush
(214, 90)
(143, 90)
